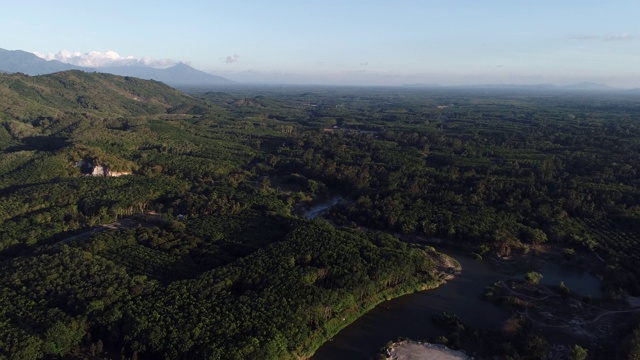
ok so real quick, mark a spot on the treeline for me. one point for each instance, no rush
(108, 294)
(501, 184)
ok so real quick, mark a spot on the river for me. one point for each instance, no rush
(578, 280)
(409, 316)
(318, 209)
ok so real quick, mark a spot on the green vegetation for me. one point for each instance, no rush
(235, 276)
(517, 340)
(629, 348)
(564, 290)
(533, 277)
(578, 353)
(211, 260)
(172, 294)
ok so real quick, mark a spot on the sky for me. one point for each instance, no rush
(346, 42)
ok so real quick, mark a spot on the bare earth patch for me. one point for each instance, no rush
(410, 350)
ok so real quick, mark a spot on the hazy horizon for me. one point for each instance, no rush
(337, 43)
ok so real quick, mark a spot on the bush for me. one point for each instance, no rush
(533, 277)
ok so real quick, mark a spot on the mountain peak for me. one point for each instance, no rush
(181, 74)
(13, 61)
(181, 65)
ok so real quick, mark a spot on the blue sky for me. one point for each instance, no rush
(345, 42)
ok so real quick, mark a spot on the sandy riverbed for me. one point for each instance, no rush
(410, 350)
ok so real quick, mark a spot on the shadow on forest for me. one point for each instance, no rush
(23, 249)
(13, 188)
(41, 143)
(14, 251)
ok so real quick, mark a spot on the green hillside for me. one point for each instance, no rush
(28, 98)
(73, 288)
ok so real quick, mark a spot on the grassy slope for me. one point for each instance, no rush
(26, 98)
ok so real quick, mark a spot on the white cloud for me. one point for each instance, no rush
(98, 59)
(231, 59)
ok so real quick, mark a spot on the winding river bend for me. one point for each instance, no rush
(410, 316)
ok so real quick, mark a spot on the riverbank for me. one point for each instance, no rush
(413, 350)
(410, 317)
(446, 268)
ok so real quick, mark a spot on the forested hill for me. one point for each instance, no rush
(101, 95)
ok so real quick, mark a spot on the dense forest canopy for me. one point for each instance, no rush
(207, 255)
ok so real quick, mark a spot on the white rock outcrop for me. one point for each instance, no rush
(117, 173)
(99, 170)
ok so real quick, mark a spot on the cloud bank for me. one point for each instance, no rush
(98, 59)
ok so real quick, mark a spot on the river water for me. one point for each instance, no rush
(318, 209)
(409, 316)
(578, 280)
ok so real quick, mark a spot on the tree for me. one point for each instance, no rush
(535, 236)
(61, 339)
(536, 347)
(578, 353)
(564, 290)
(533, 277)
(630, 347)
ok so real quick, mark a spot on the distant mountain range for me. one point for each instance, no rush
(583, 86)
(184, 76)
(178, 75)
(14, 61)
(590, 86)
(181, 75)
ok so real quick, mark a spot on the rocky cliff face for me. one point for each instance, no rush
(88, 168)
(98, 170)
(116, 173)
